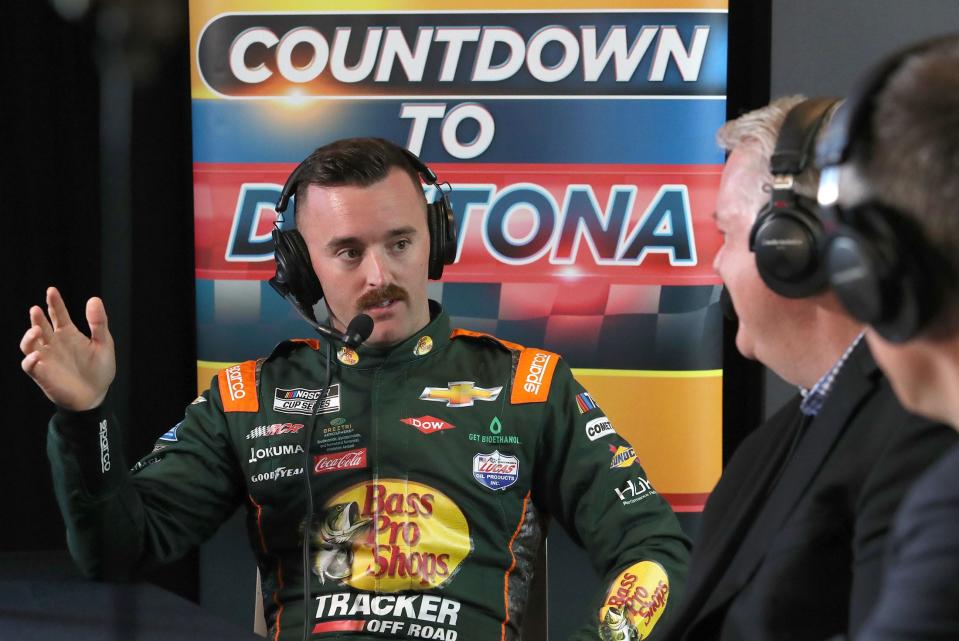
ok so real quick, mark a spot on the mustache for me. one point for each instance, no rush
(375, 297)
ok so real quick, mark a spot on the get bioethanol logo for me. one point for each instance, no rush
(463, 53)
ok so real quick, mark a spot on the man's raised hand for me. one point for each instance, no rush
(73, 370)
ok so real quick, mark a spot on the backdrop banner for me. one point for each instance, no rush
(578, 144)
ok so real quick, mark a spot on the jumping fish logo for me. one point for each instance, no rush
(340, 525)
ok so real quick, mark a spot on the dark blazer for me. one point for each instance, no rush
(792, 537)
(919, 600)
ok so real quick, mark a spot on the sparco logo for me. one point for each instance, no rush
(302, 401)
(273, 430)
(234, 380)
(598, 428)
(428, 424)
(104, 448)
(534, 378)
(351, 459)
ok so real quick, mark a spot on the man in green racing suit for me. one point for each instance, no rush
(435, 456)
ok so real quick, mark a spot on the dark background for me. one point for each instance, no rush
(96, 181)
(97, 184)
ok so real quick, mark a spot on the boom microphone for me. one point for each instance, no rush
(357, 331)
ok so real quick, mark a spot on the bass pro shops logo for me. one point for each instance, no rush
(390, 535)
(634, 603)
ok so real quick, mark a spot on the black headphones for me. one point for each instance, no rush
(878, 262)
(295, 279)
(787, 236)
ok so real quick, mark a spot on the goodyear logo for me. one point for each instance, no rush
(430, 54)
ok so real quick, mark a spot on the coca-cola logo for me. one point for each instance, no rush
(348, 460)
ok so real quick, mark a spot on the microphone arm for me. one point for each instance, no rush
(357, 331)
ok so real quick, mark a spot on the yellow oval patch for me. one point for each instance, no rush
(636, 599)
(390, 535)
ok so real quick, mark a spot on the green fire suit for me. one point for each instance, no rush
(433, 466)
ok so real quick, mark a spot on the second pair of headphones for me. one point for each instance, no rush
(787, 236)
(879, 264)
(295, 279)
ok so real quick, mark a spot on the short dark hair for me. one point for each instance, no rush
(353, 161)
(912, 155)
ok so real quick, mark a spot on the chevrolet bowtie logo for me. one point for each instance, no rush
(460, 394)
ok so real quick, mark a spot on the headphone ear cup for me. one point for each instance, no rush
(787, 242)
(294, 269)
(439, 220)
(879, 276)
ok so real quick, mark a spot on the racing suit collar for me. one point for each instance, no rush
(431, 339)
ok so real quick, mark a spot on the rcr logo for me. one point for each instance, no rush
(598, 428)
(536, 371)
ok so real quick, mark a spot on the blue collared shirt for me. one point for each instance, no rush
(814, 398)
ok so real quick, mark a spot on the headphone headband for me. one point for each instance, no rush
(796, 143)
(878, 264)
(293, 181)
(787, 234)
(295, 279)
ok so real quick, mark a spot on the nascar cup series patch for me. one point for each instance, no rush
(495, 471)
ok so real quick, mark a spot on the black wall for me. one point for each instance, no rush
(96, 214)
